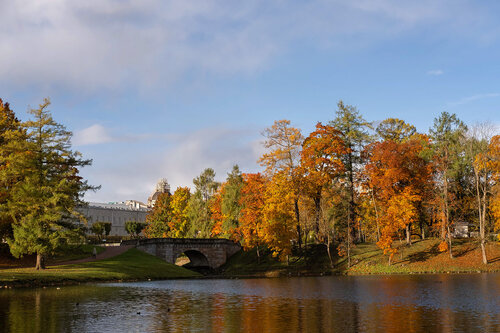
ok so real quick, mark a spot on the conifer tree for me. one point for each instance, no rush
(11, 136)
(43, 204)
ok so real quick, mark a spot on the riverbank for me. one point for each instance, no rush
(132, 265)
(422, 257)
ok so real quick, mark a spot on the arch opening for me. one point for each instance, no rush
(192, 258)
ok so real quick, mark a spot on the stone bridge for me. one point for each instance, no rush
(201, 252)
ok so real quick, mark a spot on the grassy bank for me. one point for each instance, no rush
(131, 265)
(421, 257)
(64, 253)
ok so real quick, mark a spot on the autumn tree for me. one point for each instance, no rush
(395, 129)
(447, 134)
(284, 143)
(159, 218)
(321, 162)
(278, 213)
(43, 205)
(494, 165)
(179, 222)
(401, 175)
(252, 215)
(478, 152)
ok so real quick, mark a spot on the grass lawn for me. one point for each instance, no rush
(65, 253)
(367, 258)
(131, 265)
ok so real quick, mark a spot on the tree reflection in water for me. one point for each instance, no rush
(440, 303)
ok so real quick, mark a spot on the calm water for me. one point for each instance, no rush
(432, 303)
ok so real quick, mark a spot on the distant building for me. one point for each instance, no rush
(116, 213)
(161, 187)
(460, 229)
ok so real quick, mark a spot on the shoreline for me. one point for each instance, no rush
(41, 283)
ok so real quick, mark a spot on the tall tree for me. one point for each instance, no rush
(252, 217)
(494, 164)
(401, 177)
(199, 204)
(284, 143)
(230, 204)
(321, 162)
(12, 140)
(478, 142)
(354, 132)
(159, 218)
(447, 134)
(179, 224)
(44, 203)
(278, 212)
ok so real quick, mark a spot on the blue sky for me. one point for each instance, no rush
(157, 88)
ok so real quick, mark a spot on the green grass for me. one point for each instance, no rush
(74, 252)
(131, 265)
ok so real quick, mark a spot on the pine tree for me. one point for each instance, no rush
(230, 205)
(43, 205)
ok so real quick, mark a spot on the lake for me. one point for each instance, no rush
(400, 303)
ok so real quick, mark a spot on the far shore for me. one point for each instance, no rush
(133, 265)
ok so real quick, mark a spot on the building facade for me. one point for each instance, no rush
(116, 213)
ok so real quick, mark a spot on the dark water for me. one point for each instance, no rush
(431, 303)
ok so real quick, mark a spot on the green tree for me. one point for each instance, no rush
(447, 134)
(12, 140)
(134, 228)
(230, 206)
(43, 205)
(394, 129)
(199, 208)
(354, 132)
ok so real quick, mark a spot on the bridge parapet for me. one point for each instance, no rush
(216, 251)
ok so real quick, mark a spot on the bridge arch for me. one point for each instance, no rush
(199, 250)
(196, 258)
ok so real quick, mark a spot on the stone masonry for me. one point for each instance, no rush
(201, 252)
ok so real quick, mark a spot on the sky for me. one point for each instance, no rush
(164, 89)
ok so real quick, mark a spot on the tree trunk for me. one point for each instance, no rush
(376, 216)
(258, 255)
(297, 217)
(481, 215)
(328, 250)
(317, 208)
(348, 242)
(447, 214)
(408, 234)
(40, 261)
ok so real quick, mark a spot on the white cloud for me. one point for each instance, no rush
(435, 72)
(132, 174)
(95, 134)
(144, 44)
(474, 98)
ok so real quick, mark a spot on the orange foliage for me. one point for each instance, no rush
(252, 201)
(402, 180)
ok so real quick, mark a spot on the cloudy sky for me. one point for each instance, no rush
(159, 88)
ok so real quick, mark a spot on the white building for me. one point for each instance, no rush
(116, 213)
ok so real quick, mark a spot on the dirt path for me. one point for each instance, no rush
(109, 252)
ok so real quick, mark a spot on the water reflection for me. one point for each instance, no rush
(441, 303)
